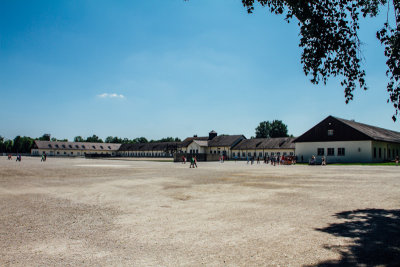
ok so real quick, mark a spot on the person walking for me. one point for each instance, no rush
(323, 161)
(195, 161)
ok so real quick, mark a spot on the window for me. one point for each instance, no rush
(58, 152)
(249, 154)
(234, 154)
(56, 146)
(94, 147)
(320, 151)
(50, 145)
(83, 146)
(109, 147)
(331, 151)
(243, 154)
(374, 152)
(397, 152)
(63, 146)
(260, 154)
(341, 151)
(272, 154)
(76, 146)
(284, 153)
(330, 132)
(70, 146)
(101, 147)
(197, 151)
(388, 153)
(380, 152)
(291, 153)
(65, 153)
(72, 153)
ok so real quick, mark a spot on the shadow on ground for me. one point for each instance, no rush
(375, 234)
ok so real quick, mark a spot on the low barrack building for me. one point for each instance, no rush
(159, 149)
(340, 140)
(264, 147)
(73, 149)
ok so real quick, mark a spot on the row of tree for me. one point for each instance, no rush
(24, 144)
(117, 140)
(19, 144)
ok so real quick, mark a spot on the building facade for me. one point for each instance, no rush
(213, 146)
(159, 149)
(73, 149)
(340, 140)
(264, 147)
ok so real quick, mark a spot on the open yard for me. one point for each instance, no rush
(140, 213)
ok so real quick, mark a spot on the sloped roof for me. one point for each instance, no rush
(148, 146)
(189, 140)
(201, 142)
(225, 140)
(76, 145)
(266, 143)
(375, 133)
(347, 130)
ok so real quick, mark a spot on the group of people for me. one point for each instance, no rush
(274, 160)
(193, 161)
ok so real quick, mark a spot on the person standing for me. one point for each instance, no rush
(323, 161)
(397, 160)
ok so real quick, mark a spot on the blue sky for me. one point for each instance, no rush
(166, 68)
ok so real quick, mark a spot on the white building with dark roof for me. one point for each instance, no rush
(340, 140)
(212, 145)
(73, 149)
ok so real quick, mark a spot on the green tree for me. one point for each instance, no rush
(44, 137)
(140, 140)
(330, 42)
(94, 139)
(79, 139)
(273, 129)
(2, 145)
(22, 144)
(8, 146)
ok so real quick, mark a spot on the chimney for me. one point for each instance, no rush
(195, 135)
(212, 134)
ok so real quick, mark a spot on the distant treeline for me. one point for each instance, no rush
(24, 144)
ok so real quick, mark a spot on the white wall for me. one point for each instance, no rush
(355, 151)
(385, 154)
(263, 152)
(193, 146)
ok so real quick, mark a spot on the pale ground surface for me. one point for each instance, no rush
(136, 213)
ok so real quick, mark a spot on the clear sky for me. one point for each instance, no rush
(159, 68)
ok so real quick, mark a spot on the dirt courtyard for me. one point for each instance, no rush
(84, 212)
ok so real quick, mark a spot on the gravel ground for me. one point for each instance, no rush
(84, 212)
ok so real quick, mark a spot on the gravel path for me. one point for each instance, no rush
(85, 212)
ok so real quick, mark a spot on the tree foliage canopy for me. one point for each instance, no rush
(330, 42)
(273, 129)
